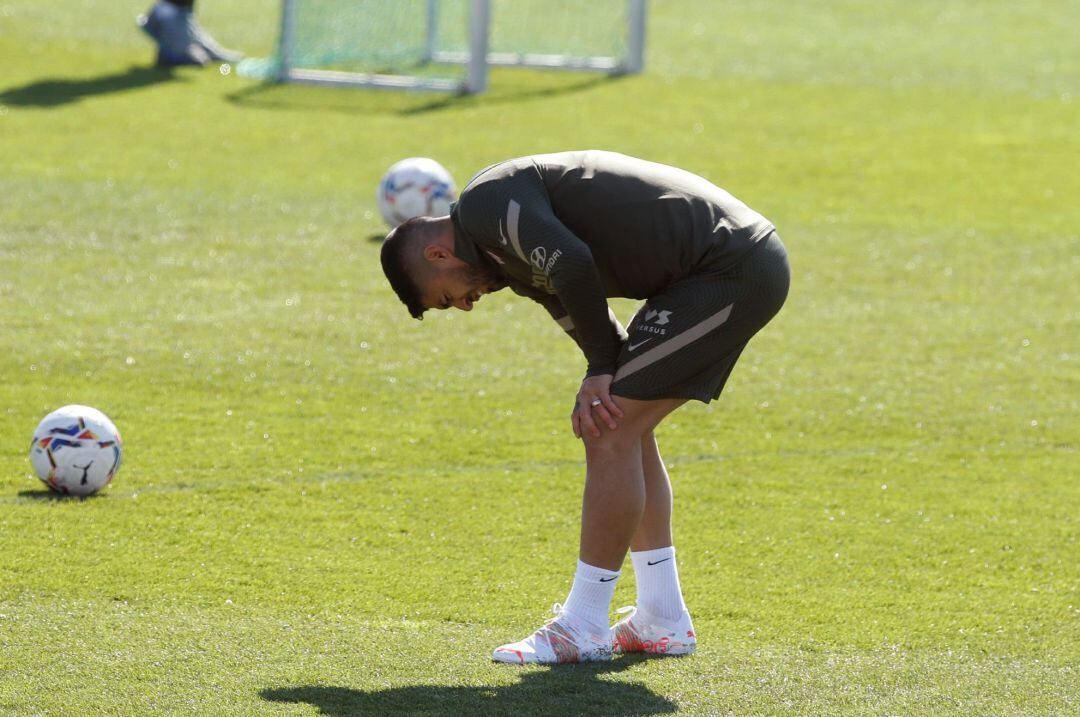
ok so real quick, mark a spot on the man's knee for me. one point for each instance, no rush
(637, 424)
(611, 444)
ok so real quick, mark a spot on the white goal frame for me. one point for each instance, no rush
(477, 59)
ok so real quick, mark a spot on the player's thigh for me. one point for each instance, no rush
(636, 424)
(641, 417)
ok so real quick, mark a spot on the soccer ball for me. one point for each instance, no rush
(415, 187)
(76, 450)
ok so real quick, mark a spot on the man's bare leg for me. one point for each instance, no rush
(612, 509)
(660, 624)
(615, 482)
(654, 529)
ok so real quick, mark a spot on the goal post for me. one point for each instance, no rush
(449, 45)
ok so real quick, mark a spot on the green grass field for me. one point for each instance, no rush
(327, 508)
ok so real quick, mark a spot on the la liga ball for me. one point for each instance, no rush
(415, 187)
(76, 450)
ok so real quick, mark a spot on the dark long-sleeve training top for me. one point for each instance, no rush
(570, 229)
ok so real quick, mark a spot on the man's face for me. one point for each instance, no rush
(460, 287)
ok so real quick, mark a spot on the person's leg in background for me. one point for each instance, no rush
(180, 38)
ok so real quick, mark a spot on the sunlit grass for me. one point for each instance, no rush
(326, 507)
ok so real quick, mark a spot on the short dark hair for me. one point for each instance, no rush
(400, 253)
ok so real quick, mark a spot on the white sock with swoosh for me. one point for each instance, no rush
(591, 593)
(658, 590)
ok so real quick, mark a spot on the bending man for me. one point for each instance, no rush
(569, 230)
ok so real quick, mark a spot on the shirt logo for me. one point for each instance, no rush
(538, 256)
(541, 265)
(632, 347)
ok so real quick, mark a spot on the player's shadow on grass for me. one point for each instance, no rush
(565, 690)
(56, 92)
(271, 95)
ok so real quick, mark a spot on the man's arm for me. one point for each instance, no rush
(598, 386)
(512, 213)
(558, 312)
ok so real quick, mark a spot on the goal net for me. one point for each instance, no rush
(449, 44)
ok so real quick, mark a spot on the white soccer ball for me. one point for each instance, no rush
(76, 450)
(415, 187)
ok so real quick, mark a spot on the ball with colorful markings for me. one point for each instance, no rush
(415, 187)
(76, 450)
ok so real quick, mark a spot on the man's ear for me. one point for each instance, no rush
(436, 254)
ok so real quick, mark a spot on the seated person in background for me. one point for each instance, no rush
(180, 38)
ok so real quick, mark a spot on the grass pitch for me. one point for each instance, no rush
(327, 508)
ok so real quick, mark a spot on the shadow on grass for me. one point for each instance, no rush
(272, 95)
(567, 690)
(48, 495)
(56, 92)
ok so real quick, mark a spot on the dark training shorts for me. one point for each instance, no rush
(684, 342)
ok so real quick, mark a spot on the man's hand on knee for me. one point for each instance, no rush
(595, 407)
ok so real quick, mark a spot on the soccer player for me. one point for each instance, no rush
(569, 230)
(181, 40)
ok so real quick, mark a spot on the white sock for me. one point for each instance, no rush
(591, 593)
(658, 591)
